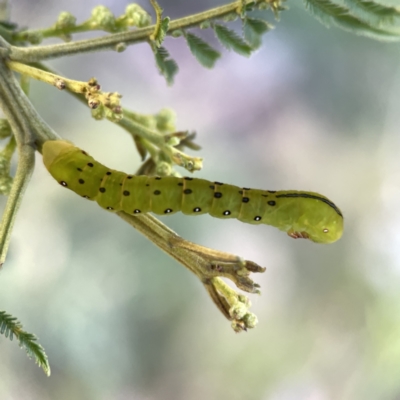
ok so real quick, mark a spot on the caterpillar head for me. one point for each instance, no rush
(321, 222)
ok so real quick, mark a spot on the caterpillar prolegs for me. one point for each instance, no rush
(300, 214)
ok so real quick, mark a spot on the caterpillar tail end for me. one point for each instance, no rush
(52, 149)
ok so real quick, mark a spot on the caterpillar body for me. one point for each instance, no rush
(300, 214)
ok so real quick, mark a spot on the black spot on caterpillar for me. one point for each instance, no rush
(300, 214)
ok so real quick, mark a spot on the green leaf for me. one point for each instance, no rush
(162, 31)
(323, 10)
(166, 65)
(162, 24)
(10, 327)
(277, 7)
(204, 53)
(8, 25)
(356, 26)
(7, 30)
(253, 30)
(380, 9)
(371, 13)
(388, 3)
(250, 6)
(231, 40)
(363, 17)
(259, 26)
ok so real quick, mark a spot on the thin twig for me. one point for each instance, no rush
(38, 53)
(19, 100)
(175, 155)
(58, 81)
(26, 156)
(208, 265)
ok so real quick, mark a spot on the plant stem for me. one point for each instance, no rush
(26, 155)
(48, 77)
(208, 265)
(20, 104)
(38, 53)
(31, 131)
(127, 122)
(175, 155)
(136, 128)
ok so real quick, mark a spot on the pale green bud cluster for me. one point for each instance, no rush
(166, 120)
(137, 16)
(5, 129)
(102, 18)
(65, 21)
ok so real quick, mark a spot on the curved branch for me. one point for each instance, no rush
(26, 159)
(38, 53)
(29, 130)
(58, 81)
(22, 177)
(176, 156)
(208, 265)
(20, 104)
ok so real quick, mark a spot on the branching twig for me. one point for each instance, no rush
(78, 88)
(38, 53)
(10, 327)
(30, 131)
(26, 155)
(178, 157)
(90, 90)
(22, 107)
(59, 82)
(208, 265)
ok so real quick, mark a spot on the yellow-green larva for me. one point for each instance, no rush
(300, 214)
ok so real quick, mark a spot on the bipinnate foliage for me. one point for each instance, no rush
(253, 29)
(136, 17)
(166, 65)
(378, 19)
(204, 53)
(160, 146)
(10, 327)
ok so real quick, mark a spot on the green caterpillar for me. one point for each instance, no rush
(301, 214)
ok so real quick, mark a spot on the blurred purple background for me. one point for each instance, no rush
(313, 109)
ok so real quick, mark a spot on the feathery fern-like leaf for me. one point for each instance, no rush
(231, 40)
(324, 9)
(253, 29)
(381, 9)
(162, 31)
(204, 53)
(370, 13)
(34, 350)
(388, 3)
(162, 25)
(358, 27)
(362, 17)
(10, 327)
(166, 65)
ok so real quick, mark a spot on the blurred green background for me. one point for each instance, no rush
(314, 109)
